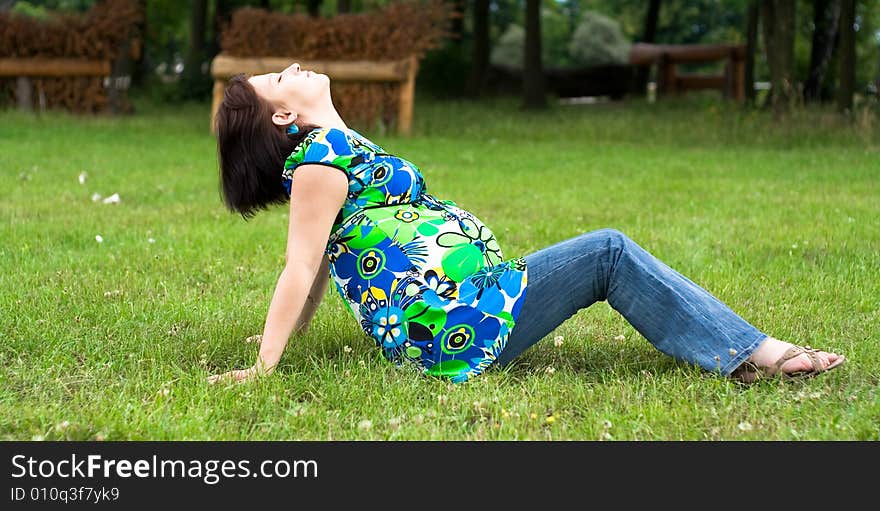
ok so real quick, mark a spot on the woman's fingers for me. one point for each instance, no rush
(237, 375)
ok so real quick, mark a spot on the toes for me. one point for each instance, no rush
(803, 362)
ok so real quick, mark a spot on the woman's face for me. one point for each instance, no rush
(291, 91)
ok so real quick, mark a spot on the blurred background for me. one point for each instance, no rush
(804, 51)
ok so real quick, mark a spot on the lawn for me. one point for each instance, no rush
(114, 339)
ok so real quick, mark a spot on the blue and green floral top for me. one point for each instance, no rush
(424, 278)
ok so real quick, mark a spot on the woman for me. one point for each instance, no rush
(426, 279)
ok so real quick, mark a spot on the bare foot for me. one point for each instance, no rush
(772, 349)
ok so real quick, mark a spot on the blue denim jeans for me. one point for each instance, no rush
(678, 317)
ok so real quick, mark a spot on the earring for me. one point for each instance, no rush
(293, 129)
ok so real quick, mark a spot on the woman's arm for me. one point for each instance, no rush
(313, 300)
(287, 304)
(316, 196)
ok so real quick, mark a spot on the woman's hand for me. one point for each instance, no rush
(239, 375)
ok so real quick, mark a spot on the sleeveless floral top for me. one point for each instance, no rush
(424, 278)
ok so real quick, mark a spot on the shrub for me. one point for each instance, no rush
(508, 50)
(598, 41)
(395, 31)
(101, 33)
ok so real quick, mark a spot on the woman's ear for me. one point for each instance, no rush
(283, 118)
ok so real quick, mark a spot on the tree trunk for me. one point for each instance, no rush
(314, 7)
(141, 67)
(650, 34)
(846, 86)
(751, 44)
(222, 15)
(456, 26)
(480, 56)
(826, 14)
(192, 67)
(343, 6)
(120, 80)
(778, 23)
(533, 72)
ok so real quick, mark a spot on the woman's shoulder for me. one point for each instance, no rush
(332, 142)
(332, 146)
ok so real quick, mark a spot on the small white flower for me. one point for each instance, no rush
(96, 197)
(365, 424)
(744, 426)
(82, 178)
(549, 370)
(558, 340)
(164, 392)
(347, 349)
(99, 238)
(254, 339)
(394, 422)
(620, 337)
(61, 426)
(151, 240)
(607, 424)
(113, 199)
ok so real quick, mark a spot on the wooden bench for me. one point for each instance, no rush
(731, 82)
(401, 71)
(23, 69)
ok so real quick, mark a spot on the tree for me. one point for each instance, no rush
(648, 36)
(826, 15)
(751, 44)
(456, 27)
(193, 84)
(314, 7)
(846, 85)
(480, 55)
(534, 96)
(222, 14)
(778, 23)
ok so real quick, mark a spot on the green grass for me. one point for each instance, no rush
(114, 340)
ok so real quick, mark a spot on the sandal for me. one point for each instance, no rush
(748, 372)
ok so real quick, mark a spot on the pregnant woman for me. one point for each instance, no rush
(426, 279)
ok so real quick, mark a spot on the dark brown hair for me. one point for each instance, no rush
(251, 149)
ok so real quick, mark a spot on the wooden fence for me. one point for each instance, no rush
(24, 69)
(731, 82)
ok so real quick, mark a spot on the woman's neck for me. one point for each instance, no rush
(325, 118)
